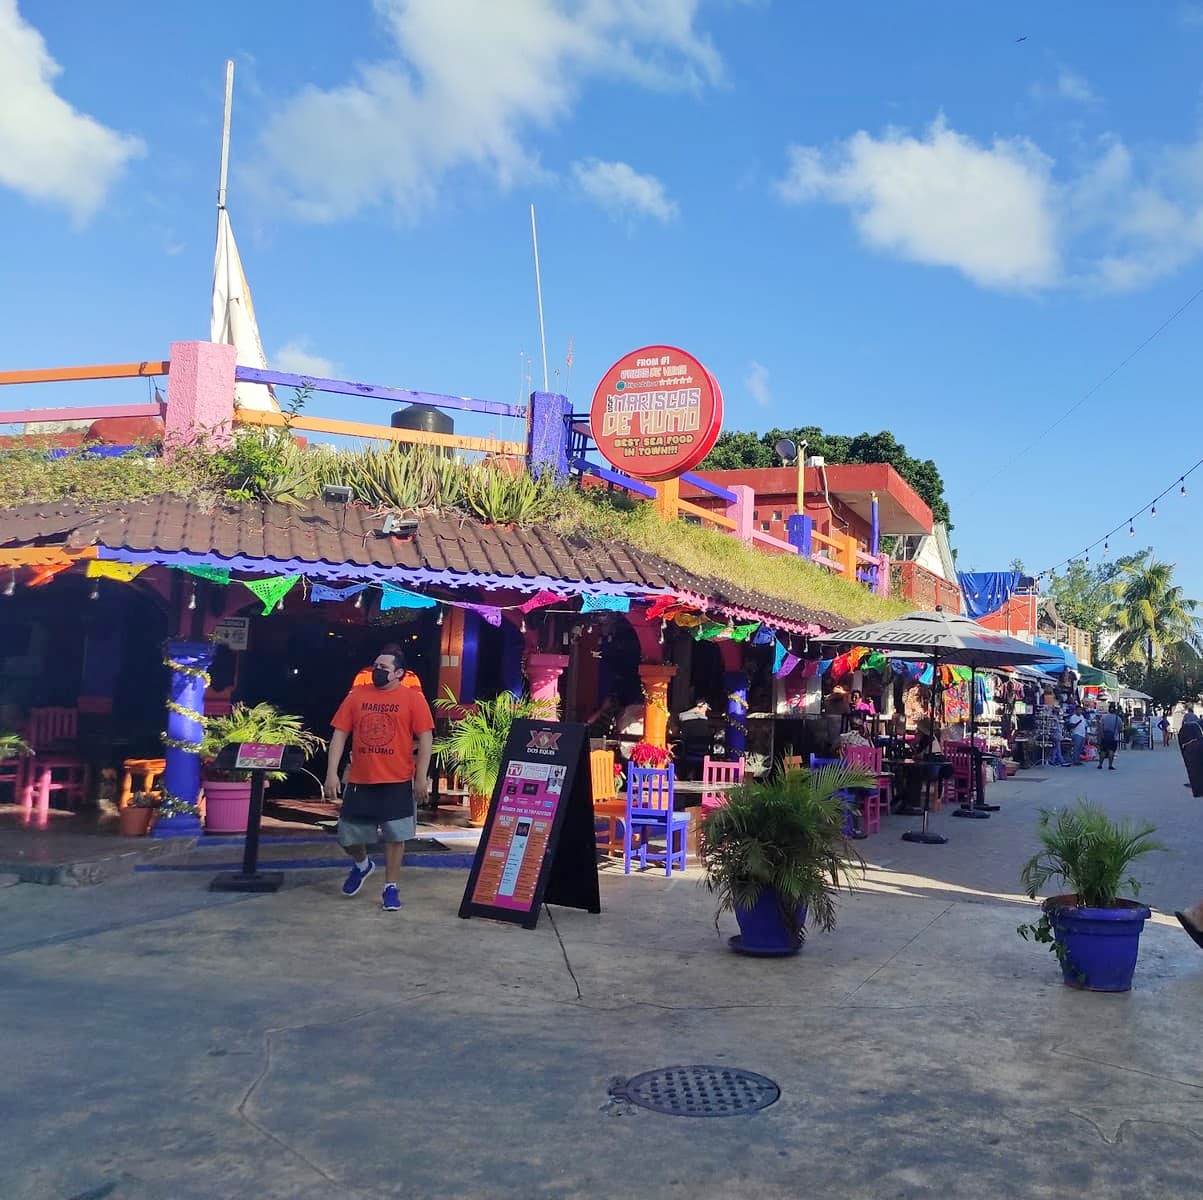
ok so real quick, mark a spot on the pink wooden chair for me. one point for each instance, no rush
(55, 766)
(721, 772)
(873, 802)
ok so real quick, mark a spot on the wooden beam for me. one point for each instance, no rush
(102, 371)
(343, 387)
(706, 514)
(384, 433)
(85, 412)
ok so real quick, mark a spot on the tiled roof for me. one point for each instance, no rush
(346, 540)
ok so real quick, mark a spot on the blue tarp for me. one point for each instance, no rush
(1066, 659)
(987, 591)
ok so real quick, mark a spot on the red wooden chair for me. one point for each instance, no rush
(55, 767)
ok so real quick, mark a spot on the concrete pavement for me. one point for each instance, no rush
(165, 1044)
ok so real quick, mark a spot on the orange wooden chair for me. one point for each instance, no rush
(608, 806)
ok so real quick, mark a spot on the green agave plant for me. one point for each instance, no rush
(475, 741)
(785, 833)
(257, 723)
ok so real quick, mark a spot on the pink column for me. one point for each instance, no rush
(543, 673)
(200, 392)
(741, 511)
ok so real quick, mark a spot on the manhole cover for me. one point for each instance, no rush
(698, 1091)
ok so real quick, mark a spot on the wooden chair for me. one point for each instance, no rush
(720, 772)
(872, 800)
(52, 733)
(149, 772)
(649, 812)
(608, 807)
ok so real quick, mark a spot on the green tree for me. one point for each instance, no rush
(1150, 612)
(1178, 678)
(742, 449)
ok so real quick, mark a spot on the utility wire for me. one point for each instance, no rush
(1101, 383)
(1179, 482)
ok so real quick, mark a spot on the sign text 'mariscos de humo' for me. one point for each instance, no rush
(656, 413)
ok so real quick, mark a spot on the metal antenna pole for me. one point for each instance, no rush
(534, 237)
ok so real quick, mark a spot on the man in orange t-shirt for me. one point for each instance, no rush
(385, 718)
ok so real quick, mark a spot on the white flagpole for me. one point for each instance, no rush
(225, 135)
(534, 237)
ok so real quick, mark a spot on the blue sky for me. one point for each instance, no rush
(858, 216)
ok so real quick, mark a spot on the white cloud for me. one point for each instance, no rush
(941, 199)
(1002, 216)
(757, 384)
(467, 84)
(622, 191)
(297, 358)
(50, 151)
(1072, 86)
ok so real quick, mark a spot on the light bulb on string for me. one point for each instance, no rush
(1182, 489)
(439, 618)
(1153, 511)
(11, 586)
(1131, 529)
(359, 600)
(94, 594)
(1106, 547)
(192, 601)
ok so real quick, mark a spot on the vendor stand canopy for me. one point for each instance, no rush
(1057, 658)
(1097, 677)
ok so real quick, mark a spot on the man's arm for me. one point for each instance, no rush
(338, 743)
(422, 767)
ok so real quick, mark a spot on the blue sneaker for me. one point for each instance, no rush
(355, 878)
(390, 901)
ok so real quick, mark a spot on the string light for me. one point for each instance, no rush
(1150, 509)
(192, 601)
(11, 586)
(94, 594)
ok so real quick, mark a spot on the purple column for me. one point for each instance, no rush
(189, 664)
(469, 655)
(797, 531)
(736, 683)
(547, 441)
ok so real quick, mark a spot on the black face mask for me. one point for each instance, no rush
(380, 677)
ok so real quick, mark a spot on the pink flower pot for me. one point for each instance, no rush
(226, 806)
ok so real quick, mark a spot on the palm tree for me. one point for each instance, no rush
(1150, 612)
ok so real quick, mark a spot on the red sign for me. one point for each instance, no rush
(656, 413)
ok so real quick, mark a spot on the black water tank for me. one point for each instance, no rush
(424, 417)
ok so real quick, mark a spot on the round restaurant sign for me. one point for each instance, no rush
(656, 413)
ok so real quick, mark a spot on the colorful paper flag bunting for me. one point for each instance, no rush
(212, 574)
(788, 663)
(540, 599)
(271, 591)
(396, 597)
(103, 568)
(741, 633)
(486, 612)
(592, 603)
(319, 592)
(780, 654)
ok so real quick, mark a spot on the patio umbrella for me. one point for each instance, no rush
(947, 638)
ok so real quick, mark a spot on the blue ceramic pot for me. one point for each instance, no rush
(1101, 944)
(762, 930)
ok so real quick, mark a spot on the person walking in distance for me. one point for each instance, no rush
(1111, 725)
(1075, 726)
(386, 779)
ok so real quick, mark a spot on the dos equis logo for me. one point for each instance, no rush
(543, 741)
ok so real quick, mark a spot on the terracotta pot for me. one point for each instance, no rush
(227, 804)
(478, 810)
(135, 822)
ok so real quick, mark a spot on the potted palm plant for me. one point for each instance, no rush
(776, 856)
(475, 740)
(228, 793)
(1094, 932)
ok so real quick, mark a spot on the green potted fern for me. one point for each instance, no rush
(475, 740)
(776, 855)
(228, 793)
(1093, 929)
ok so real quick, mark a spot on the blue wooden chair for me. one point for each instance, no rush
(850, 799)
(650, 797)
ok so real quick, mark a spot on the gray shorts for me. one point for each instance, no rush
(368, 832)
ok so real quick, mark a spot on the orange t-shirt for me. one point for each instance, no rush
(364, 679)
(383, 724)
